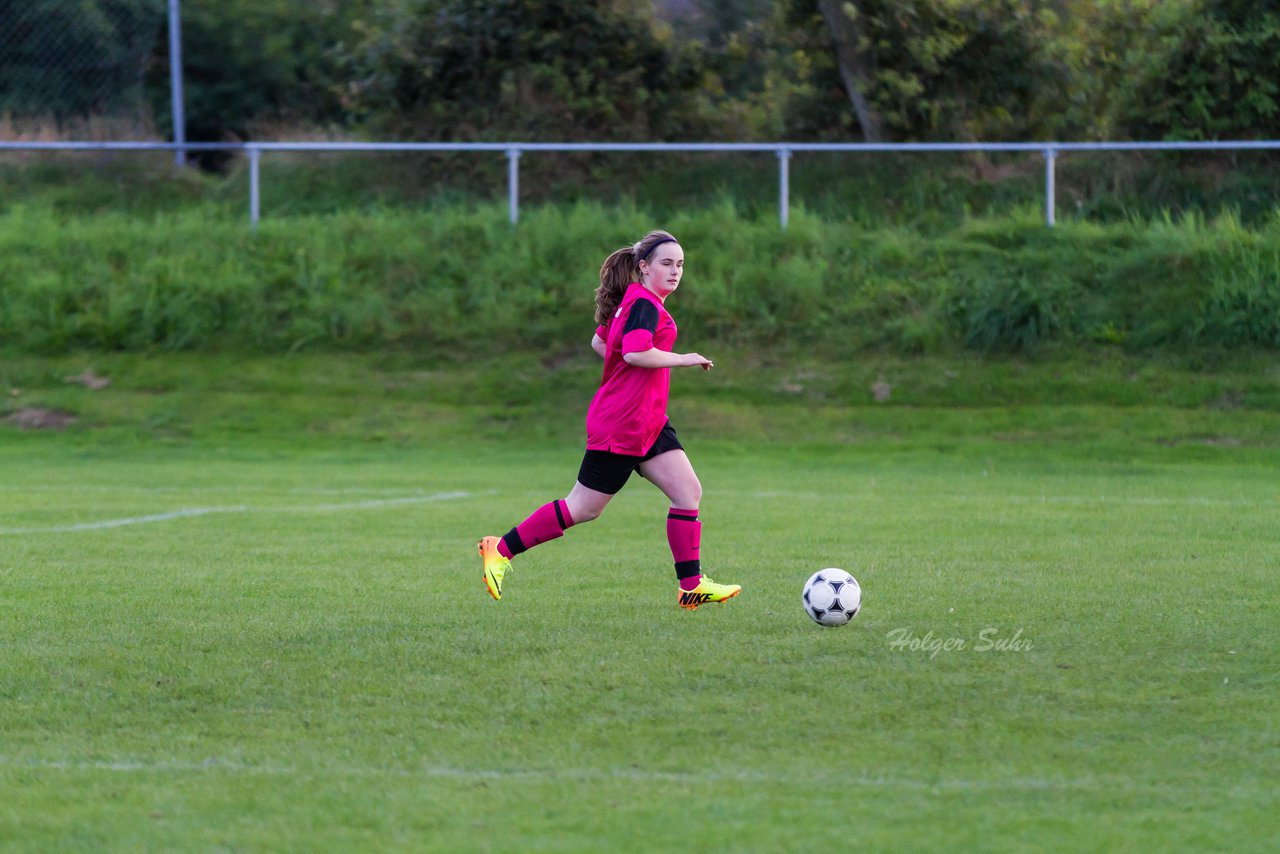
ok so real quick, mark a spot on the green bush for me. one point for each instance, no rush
(1219, 77)
(1243, 307)
(1009, 313)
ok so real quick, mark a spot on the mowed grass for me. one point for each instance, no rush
(307, 660)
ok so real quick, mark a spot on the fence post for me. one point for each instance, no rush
(175, 81)
(255, 154)
(1050, 186)
(513, 184)
(784, 185)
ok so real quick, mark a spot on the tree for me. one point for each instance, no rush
(1096, 48)
(855, 60)
(533, 69)
(930, 69)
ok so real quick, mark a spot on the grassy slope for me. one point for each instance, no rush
(457, 279)
(308, 668)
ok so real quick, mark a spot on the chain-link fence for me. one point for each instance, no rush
(68, 60)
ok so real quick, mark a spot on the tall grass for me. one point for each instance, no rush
(459, 279)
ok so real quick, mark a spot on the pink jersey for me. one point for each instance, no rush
(630, 408)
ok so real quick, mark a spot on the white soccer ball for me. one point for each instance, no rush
(832, 597)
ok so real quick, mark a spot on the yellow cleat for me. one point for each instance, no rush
(706, 591)
(495, 565)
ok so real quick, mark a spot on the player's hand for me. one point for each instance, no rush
(692, 360)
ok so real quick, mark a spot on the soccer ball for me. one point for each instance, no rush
(832, 597)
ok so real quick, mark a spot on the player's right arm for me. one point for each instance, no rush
(598, 344)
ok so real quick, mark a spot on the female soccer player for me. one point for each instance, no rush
(627, 427)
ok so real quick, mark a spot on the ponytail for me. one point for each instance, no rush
(619, 270)
(622, 268)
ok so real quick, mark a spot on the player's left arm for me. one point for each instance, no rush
(655, 358)
(597, 344)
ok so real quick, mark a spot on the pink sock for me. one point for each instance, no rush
(547, 523)
(684, 535)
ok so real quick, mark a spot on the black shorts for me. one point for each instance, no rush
(605, 471)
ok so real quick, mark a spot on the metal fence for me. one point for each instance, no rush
(60, 60)
(513, 151)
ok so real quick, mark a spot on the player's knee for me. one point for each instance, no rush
(584, 512)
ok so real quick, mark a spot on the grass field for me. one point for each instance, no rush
(241, 610)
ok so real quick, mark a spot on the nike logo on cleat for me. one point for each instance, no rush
(691, 598)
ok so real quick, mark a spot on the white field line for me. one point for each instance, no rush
(631, 775)
(1139, 500)
(186, 512)
(1044, 498)
(374, 503)
(1153, 501)
(234, 489)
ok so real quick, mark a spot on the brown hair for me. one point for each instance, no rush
(621, 269)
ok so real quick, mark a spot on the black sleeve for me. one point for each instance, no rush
(643, 315)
